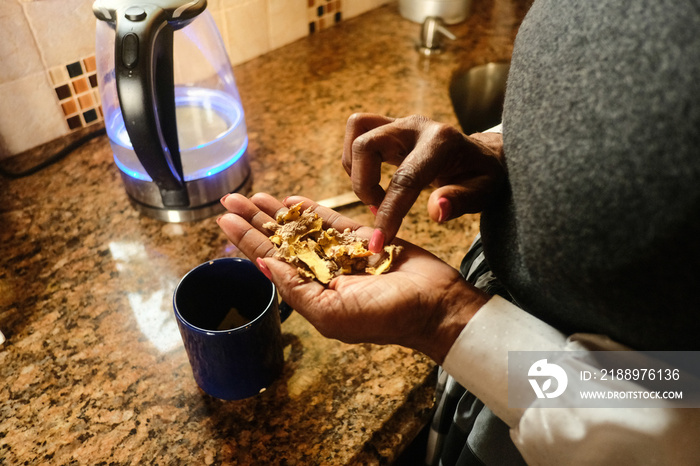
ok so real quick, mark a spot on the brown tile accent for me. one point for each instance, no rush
(63, 92)
(74, 122)
(76, 90)
(89, 64)
(323, 14)
(86, 101)
(81, 85)
(69, 107)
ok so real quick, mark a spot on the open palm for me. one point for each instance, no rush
(419, 301)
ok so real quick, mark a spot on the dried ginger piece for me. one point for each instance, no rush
(324, 254)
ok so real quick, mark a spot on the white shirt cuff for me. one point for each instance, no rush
(478, 359)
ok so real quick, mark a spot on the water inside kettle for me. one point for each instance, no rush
(211, 133)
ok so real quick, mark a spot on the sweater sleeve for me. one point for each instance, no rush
(563, 435)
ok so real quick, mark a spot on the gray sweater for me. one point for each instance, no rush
(599, 228)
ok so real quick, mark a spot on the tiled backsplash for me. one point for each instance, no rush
(48, 86)
(75, 85)
(324, 13)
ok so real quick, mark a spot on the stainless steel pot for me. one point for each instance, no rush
(451, 11)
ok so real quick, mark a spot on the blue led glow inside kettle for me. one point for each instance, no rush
(171, 108)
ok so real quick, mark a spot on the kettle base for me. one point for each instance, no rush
(191, 214)
(204, 194)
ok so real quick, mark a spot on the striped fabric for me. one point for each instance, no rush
(464, 432)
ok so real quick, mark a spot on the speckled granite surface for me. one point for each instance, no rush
(93, 370)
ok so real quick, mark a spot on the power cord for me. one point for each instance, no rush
(54, 158)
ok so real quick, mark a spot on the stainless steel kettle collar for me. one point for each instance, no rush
(177, 12)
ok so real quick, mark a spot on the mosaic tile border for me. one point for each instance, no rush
(323, 14)
(75, 85)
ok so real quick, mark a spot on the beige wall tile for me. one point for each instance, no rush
(247, 29)
(64, 29)
(215, 5)
(19, 54)
(352, 8)
(287, 21)
(29, 114)
(40, 37)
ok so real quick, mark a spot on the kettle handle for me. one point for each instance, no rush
(146, 90)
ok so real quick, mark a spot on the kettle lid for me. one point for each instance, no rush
(177, 12)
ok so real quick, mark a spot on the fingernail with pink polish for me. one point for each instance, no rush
(373, 209)
(376, 242)
(445, 209)
(263, 268)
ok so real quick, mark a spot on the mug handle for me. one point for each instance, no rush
(285, 310)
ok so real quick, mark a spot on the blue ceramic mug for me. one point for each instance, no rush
(229, 320)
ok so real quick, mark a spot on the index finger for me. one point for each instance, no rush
(414, 174)
(363, 155)
(357, 125)
(433, 150)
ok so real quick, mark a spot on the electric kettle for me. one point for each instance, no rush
(171, 107)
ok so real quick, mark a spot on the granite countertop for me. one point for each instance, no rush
(93, 370)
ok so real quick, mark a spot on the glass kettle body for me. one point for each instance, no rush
(171, 107)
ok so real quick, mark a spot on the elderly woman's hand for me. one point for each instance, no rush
(422, 303)
(466, 170)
